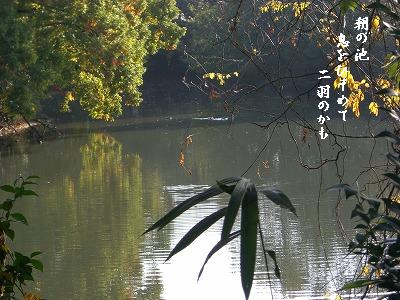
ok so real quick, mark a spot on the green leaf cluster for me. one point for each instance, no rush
(15, 268)
(378, 225)
(93, 52)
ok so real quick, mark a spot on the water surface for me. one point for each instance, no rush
(100, 190)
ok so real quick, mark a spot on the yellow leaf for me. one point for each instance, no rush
(383, 83)
(188, 140)
(209, 75)
(378, 273)
(31, 296)
(181, 159)
(336, 83)
(373, 108)
(69, 97)
(375, 23)
(365, 270)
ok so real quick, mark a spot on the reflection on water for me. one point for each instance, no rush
(100, 191)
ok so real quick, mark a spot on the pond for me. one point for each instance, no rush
(99, 191)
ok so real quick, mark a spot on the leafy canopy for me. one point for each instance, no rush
(93, 52)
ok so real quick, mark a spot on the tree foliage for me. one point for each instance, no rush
(93, 52)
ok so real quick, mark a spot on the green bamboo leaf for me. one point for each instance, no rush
(7, 188)
(36, 253)
(28, 193)
(233, 206)
(248, 240)
(218, 246)
(359, 283)
(280, 199)
(196, 231)
(185, 205)
(37, 264)
(33, 177)
(28, 182)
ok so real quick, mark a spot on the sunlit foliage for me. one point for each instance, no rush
(93, 52)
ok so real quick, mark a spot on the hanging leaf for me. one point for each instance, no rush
(348, 191)
(196, 231)
(37, 264)
(185, 205)
(279, 198)
(218, 246)
(19, 217)
(395, 179)
(272, 254)
(7, 188)
(248, 240)
(393, 159)
(388, 135)
(233, 206)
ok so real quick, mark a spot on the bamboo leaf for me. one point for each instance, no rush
(36, 253)
(248, 240)
(348, 191)
(37, 264)
(185, 205)
(7, 188)
(359, 283)
(395, 179)
(272, 254)
(393, 159)
(28, 182)
(226, 188)
(218, 246)
(28, 193)
(233, 206)
(388, 135)
(197, 230)
(279, 198)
